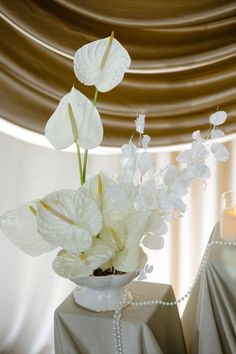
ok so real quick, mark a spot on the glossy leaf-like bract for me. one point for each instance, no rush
(218, 118)
(87, 119)
(82, 220)
(88, 59)
(20, 227)
(70, 265)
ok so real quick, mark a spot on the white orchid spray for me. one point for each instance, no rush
(101, 227)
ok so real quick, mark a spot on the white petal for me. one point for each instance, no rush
(142, 275)
(70, 265)
(165, 201)
(85, 217)
(140, 123)
(145, 141)
(99, 254)
(218, 118)
(88, 59)
(198, 151)
(179, 188)
(217, 133)
(156, 224)
(170, 174)
(204, 171)
(142, 258)
(58, 128)
(148, 268)
(135, 223)
(130, 259)
(178, 204)
(199, 169)
(19, 226)
(128, 153)
(184, 156)
(153, 242)
(113, 202)
(220, 152)
(144, 162)
(197, 135)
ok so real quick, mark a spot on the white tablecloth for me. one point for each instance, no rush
(146, 330)
(209, 320)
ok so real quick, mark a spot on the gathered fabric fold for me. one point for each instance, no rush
(183, 63)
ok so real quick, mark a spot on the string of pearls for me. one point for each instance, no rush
(117, 330)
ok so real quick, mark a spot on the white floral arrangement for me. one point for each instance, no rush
(101, 227)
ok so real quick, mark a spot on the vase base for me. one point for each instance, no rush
(89, 301)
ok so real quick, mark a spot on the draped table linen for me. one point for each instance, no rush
(209, 320)
(149, 329)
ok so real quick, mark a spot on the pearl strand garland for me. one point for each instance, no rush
(117, 335)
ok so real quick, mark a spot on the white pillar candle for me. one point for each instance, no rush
(228, 224)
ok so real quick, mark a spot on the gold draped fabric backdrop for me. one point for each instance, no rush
(183, 62)
(183, 68)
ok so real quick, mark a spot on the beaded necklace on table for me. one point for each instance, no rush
(117, 333)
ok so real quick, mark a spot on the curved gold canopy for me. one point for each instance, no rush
(183, 63)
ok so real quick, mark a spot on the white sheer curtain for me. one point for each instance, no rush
(30, 291)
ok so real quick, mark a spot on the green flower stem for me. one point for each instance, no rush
(85, 166)
(95, 97)
(80, 163)
(86, 151)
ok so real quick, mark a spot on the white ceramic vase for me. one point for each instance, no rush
(102, 293)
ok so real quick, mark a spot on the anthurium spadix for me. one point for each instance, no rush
(101, 63)
(20, 227)
(75, 119)
(69, 219)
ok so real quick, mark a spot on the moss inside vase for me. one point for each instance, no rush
(109, 271)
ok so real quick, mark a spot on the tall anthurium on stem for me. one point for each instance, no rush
(76, 120)
(102, 63)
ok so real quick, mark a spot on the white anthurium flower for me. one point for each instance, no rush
(70, 265)
(220, 152)
(111, 199)
(110, 237)
(20, 227)
(197, 136)
(135, 226)
(127, 236)
(217, 133)
(218, 118)
(140, 123)
(153, 242)
(75, 119)
(102, 63)
(130, 259)
(69, 219)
